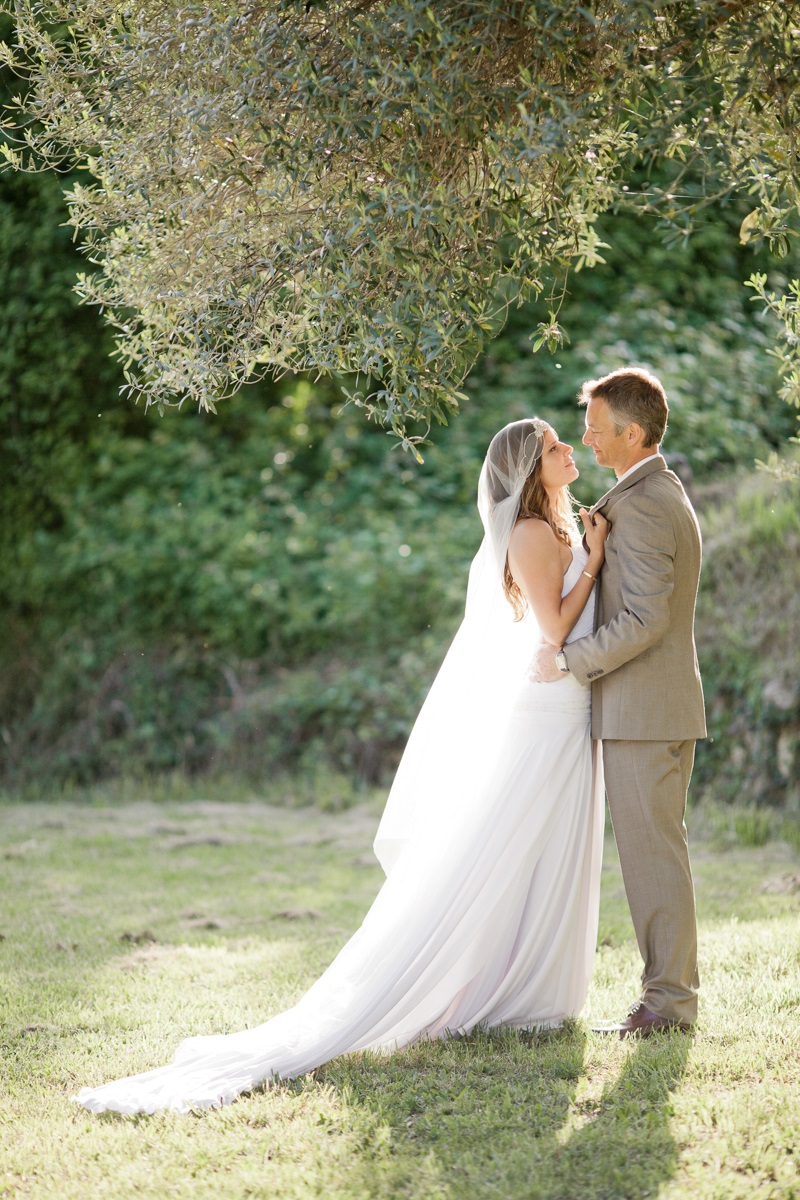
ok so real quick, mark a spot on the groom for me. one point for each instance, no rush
(647, 699)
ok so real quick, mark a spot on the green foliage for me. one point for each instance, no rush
(364, 189)
(678, 310)
(753, 827)
(786, 308)
(53, 356)
(58, 387)
(186, 572)
(748, 616)
(183, 616)
(277, 584)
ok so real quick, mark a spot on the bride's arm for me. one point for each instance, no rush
(534, 558)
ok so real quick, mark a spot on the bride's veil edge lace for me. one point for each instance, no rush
(451, 745)
(389, 982)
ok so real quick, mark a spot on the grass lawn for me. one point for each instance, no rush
(129, 925)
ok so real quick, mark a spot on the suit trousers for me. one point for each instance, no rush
(646, 785)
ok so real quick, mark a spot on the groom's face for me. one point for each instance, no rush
(610, 448)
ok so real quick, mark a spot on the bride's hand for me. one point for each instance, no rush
(597, 529)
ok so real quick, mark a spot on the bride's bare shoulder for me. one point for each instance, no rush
(533, 544)
(530, 532)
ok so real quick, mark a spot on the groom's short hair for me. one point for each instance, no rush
(632, 395)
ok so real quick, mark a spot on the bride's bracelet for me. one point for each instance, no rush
(592, 577)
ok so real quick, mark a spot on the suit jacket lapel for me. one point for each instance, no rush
(656, 464)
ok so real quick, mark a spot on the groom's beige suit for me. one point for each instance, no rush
(647, 707)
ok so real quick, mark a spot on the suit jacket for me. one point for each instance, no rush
(641, 660)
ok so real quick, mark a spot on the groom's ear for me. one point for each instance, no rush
(636, 435)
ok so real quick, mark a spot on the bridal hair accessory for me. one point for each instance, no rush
(512, 455)
(454, 740)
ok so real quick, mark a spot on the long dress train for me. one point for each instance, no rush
(487, 920)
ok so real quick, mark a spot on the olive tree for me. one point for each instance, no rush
(362, 187)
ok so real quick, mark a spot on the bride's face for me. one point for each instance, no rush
(558, 466)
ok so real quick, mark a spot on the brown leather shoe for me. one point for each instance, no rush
(641, 1022)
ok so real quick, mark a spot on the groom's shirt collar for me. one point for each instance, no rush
(636, 466)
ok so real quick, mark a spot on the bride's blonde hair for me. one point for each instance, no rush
(535, 502)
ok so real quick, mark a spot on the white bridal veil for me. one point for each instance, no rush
(450, 750)
(491, 841)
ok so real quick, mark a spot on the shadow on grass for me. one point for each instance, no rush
(624, 1147)
(497, 1115)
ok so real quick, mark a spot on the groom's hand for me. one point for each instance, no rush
(543, 669)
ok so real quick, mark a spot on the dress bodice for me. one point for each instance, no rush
(585, 623)
(563, 695)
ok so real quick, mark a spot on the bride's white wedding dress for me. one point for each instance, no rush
(488, 915)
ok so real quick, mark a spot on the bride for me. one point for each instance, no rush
(491, 837)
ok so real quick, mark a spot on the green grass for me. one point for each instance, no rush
(127, 927)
